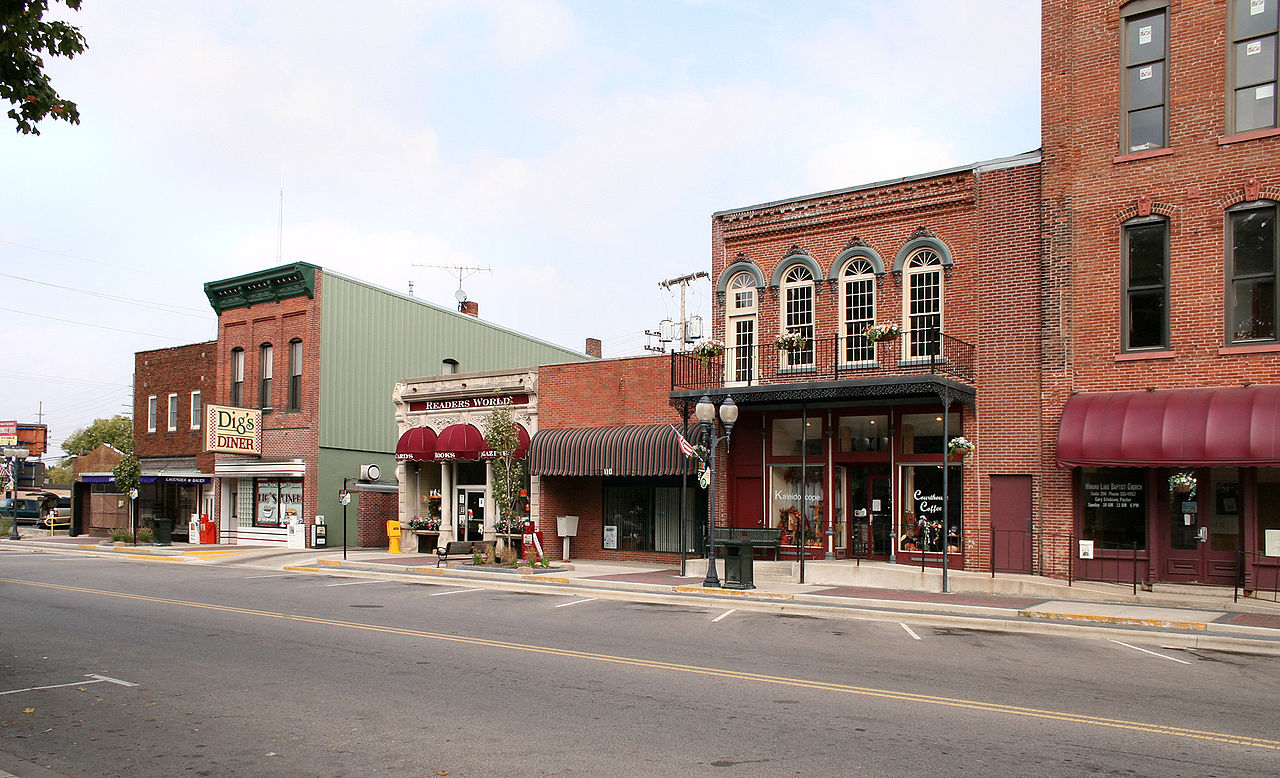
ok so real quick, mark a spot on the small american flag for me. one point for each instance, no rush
(685, 447)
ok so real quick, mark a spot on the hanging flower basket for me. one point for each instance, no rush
(1182, 483)
(882, 333)
(708, 350)
(790, 341)
(962, 446)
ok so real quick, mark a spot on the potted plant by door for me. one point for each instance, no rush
(1182, 484)
(427, 530)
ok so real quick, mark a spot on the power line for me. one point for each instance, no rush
(62, 380)
(95, 261)
(96, 326)
(194, 312)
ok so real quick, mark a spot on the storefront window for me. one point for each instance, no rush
(922, 432)
(279, 502)
(863, 433)
(645, 516)
(921, 528)
(1224, 507)
(1269, 511)
(789, 433)
(788, 491)
(1115, 508)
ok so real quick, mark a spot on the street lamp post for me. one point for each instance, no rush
(15, 456)
(705, 410)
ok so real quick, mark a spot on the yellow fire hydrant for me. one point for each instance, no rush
(393, 533)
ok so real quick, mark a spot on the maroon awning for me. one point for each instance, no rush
(417, 445)
(522, 435)
(1229, 426)
(460, 441)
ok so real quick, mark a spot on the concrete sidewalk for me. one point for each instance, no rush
(1188, 616)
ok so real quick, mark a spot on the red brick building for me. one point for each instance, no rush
(1161, 357)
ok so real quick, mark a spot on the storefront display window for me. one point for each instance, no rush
(788, 434)
(922, 525)
(1224, 507)
(863, 433)
(1269, 511)
(644, 515)
(922, 432)
(788, 492)
(1115, 508)
(278, 502)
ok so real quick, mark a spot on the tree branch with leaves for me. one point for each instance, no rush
(25, 35)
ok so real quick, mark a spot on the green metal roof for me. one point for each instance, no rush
(264, 286)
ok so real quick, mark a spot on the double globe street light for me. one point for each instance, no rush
(705, 410)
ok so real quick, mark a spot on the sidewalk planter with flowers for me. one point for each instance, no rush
(707, 351)
(1182, 484)
(882, 333)
(790, 341)
(961, 445)
(427, 531)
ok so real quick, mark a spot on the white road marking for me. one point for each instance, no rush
(909, 631)
(453, 591)
(576, 602)
(273, 575)
(722, 615)
(1153, 653)
(96, 679)
(355, 583)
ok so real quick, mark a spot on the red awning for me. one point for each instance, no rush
(417, 445)
(460, 441)
(1229, 426)
(522, 448)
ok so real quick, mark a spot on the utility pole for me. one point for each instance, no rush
(683, 282)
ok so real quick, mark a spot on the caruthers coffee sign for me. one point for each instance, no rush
(233, 430)
(463, 403)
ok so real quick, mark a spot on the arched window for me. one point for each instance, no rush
(858, 287)
(922, 303)
(740, 329)
(295, 374)
(265, 355)
(237, 377)
(797, 314)
(448, 367)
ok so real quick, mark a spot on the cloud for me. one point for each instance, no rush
(876, 155)
(525, 31)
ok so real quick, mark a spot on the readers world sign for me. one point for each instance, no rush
(233, 430)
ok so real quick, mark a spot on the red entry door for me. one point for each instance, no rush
(1202, 529)
(1011, 523)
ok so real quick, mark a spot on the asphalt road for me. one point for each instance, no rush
(163, 669)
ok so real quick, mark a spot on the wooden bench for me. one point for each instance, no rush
(461, 549)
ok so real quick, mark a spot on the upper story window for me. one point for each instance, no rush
(858, 285)
(152, 410)
(1251, 272)
(448, 367)
(237, 377)
(295, 374)
(266, 354)
(797, 313)
(1143, 89)
(1251, 65)
(173, 412)
(1145, 277)
(922, 303)
(197, 410)
(740, 329)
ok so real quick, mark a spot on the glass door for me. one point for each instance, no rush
(470, 515)
(1204, 529)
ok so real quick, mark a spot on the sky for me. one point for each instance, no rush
(574, 149)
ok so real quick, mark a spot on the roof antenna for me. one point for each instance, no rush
(461, 271)
(280, 222)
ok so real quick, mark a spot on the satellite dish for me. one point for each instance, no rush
(460, 295)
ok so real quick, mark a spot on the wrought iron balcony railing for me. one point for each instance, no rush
(848, 358)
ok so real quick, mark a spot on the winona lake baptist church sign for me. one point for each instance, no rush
(233, 430)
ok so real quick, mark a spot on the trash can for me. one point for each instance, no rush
(738, 570)
(162, 531)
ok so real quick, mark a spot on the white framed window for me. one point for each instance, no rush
(173, 412)
(797, 316)
(858, 302)
(740, 330)
(922, 303)
(152, 410)
(197, 411)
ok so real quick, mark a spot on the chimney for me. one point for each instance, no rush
(470, 307)
(593, 347)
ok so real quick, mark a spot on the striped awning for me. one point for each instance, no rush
(612, 451)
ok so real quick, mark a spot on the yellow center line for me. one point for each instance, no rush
(927, 699)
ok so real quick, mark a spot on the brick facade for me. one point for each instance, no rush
(178, 371)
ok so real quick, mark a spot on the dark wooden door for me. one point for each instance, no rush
(1011, 512)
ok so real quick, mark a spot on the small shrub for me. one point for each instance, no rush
(6, 524)
(145, 535)
(476, 557)
(121, 536)
(488, 555)
(507, 557)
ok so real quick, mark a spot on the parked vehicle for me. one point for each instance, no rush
(63, 509)
(23, 509)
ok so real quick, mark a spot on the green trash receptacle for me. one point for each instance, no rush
(738, 570)
(163, 531)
